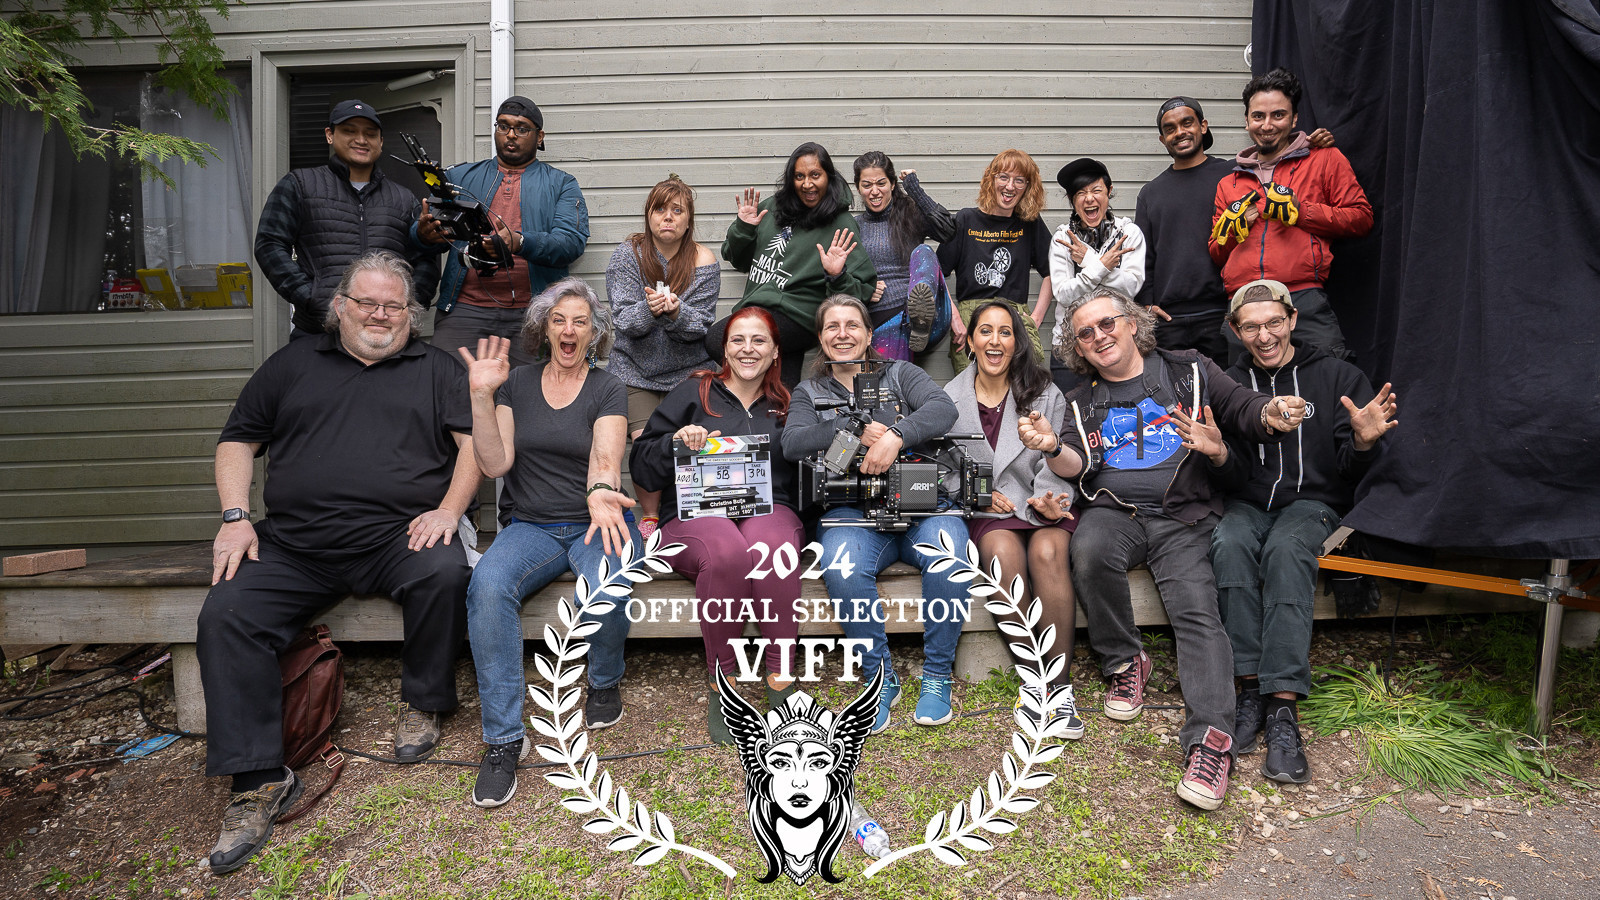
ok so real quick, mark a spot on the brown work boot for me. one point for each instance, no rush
(248, 820)
(415, 734)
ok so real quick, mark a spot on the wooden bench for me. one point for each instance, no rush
(156, 599)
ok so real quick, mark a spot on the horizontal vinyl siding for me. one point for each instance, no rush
(721, 93)
(108, 424)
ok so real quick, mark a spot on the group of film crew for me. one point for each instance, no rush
(1122, 429)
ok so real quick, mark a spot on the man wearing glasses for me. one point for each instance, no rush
(538, 212)
(317, 220)
(1284, 501)
(367, 434)
(1143, 438)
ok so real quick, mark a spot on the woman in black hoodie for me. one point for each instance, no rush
(744, 396)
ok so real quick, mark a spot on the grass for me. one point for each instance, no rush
(1419, 739)
(1493, 668)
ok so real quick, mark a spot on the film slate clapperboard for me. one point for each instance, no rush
(731, 477)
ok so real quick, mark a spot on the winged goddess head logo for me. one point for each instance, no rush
(800, 763)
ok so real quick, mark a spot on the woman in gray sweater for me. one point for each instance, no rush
(663, 289)
(899, 215)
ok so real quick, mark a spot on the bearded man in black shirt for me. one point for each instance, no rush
(369, 468)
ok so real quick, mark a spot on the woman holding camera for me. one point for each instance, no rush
(797, 247)
(743, 396)
(1029, 524)
(555, 430)
(911, 410)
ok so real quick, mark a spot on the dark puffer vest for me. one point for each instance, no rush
(338, 224)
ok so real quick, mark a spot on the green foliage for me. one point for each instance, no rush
(39, 42)
(1419, 739)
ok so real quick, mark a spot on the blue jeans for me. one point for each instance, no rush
(524, 558)
(1266, 567)
(872, 551)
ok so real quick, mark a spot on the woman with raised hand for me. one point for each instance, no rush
(741, 397)
(1029, 525)
(994, 246)
(796, 248)
(898, 216)
(556, 430)
(1094, 248)
(912, 410)
(663, 288)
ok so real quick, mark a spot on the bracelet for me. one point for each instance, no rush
(1264, 423)
(1052, 454)
(598, 486)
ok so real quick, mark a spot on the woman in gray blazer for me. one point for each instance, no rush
(1030, 524)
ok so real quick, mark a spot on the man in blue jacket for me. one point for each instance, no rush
(537, 210)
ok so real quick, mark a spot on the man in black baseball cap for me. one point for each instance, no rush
(539, 213)
(317, 220)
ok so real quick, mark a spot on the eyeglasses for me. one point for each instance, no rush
(372, 306)
(1020, 181)
(1108, 325)
(508, 128)
(1272, 325)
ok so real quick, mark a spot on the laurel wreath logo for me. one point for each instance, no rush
(569, 747)
(945, 834)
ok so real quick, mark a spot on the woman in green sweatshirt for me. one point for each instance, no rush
(796, 248)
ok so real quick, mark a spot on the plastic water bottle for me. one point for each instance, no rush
(869, 834)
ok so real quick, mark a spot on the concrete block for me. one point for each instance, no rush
(188, 693)
(979, 651)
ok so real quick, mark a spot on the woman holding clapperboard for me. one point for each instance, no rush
(743, 397)
(663, 291)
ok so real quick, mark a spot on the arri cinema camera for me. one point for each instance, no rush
(461, 218)
(937, 479)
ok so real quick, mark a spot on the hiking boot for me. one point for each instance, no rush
(933, 706)
(888, 696)
(1125, 698)
(1248, 717)
(920, 313)
(1061, 706)
(603, 708)
(1205, 780)
(1286, 752)
(716, 725)
(248, 820)
(415, 734)
(497, 774)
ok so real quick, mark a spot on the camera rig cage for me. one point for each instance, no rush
(461, 219)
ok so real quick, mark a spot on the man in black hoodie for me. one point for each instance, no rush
(1286, 499)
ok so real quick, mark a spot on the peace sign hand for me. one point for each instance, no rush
(833, 258)
(748, 213)
(1112, 257)
(490, 368)
(1074, 247)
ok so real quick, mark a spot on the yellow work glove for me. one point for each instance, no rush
(1232, 222)
(1282, 204)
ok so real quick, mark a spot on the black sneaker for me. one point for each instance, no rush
(603, 709)
(1060, 705)
(920, 313)
(248, 820)
(1248, 717)
(497, 774)
(1286, 752)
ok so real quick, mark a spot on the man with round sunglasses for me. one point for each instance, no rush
(1284, 501)
(538, 212)
(1143, 439)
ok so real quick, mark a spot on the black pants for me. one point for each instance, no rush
(793, 343)
(1206, 332)
(246, 622)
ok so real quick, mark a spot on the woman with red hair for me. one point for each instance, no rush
(995, 244)
(744, 396)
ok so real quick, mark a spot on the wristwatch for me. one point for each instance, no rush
(1056, 452)
(237, 514)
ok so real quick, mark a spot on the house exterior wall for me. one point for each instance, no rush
(112, 419)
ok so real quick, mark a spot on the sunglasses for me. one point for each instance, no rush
(1108, 325)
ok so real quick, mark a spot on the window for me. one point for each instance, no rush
(69, 226)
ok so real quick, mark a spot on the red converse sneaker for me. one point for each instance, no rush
(1205, 781)
(1125, 698)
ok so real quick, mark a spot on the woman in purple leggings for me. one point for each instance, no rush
(745, 396)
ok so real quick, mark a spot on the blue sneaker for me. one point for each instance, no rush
(888, 696)
(933, 707)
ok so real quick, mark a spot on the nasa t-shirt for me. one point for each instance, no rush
(991, 256)
(1141, 447)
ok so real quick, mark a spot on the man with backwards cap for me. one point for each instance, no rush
(317, 220)
(1284, 501)
(538, 212)
(1182, 285)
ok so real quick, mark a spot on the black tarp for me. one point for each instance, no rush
(1475, 130)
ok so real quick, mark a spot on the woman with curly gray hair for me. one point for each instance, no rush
(555, 429)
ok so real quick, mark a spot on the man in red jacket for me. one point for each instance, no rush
(1277, 210)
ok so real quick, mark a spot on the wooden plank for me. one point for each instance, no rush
(109, 529)
(145, 445)
(48, 362)
(107, 473)
(583, 10)
(174, 387)
(121, 329)
(144, 501)
(927, 33)
(211, 414)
